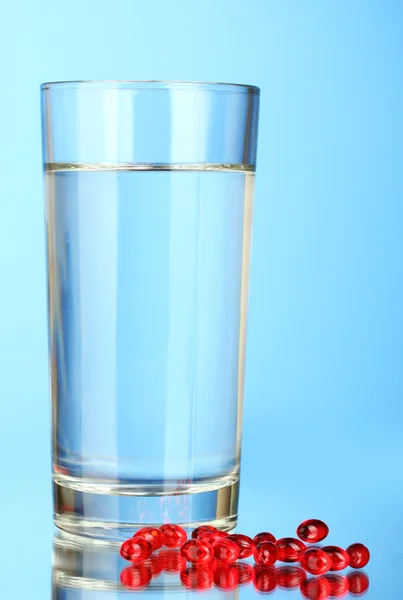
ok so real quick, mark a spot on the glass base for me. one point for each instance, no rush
(112, 512)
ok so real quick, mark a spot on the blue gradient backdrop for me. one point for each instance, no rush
(323, 418)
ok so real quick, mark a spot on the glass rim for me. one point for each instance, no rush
(157, 84)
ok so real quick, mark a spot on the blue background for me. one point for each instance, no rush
(323, 431)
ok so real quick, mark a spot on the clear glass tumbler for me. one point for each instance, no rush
(149, 190)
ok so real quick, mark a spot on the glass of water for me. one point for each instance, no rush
(149, 190)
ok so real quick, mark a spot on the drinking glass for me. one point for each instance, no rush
(149, 190)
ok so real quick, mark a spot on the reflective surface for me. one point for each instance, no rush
(94, 571)
(84, 569)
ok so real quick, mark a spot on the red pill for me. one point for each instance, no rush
(197, 551)
(264, 578)
(289, 549)
(315, 588)
(290, 577)
(172, 561)
(197, 577)
(152, 535)
(316, 562)
(338, 585)
(245, 572)
(198, 532)
(312, 530)
(265, 553)
(226, 551)
(264, 536)
(358, 582)
(245, 544)
(340, 558)
(135, 549)
(174, 535)
(359, 555)
(213, 536)
(135, 577)
(226, 577)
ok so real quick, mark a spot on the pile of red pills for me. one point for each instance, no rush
(212, 557)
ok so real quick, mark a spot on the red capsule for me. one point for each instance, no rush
(264, 536)
(289, 549)
(198, 532)
(316, 562)
(172, 561)
(152, 535)
(245, 544)
(358, 582)
(290, 577)
(226, 577)
(340, 558)
(197, 577)
(135, 577)
(312, 530)
(265, 553)
(197, 551)
(338, 585)
(135, 549)
(245, 572)
(359, 555)
(173, 535)
(315, 588)
(226, 551)
(212, 536)
(264, 578)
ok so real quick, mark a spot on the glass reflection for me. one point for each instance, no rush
(88, 570)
